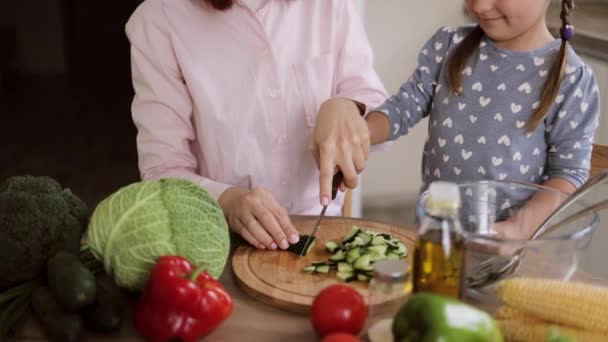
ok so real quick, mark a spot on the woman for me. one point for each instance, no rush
(227, 93)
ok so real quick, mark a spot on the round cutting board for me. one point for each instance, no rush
(276, 277)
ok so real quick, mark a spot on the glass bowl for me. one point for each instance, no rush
(516, 209)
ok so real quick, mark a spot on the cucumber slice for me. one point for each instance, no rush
(363, 263)
(401, 249)
(385, 236)
(393, 243)
(393, 256)
(378, 249)
(362, 277)
(378, 241)
(376, 257)
(357, 242)
(346, 276)
(351, 234)
(332, 247)
(309, 269)
(322, 269)
(371, 233)
(353, 254)
(345, 267)
(301, 245)
(339, 256)
(365, 238)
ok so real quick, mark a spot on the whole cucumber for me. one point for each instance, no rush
(57, 324)
(105, 313)
(71, 283)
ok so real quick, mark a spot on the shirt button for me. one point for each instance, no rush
(266, 51)
(283, 181)
(282, 139)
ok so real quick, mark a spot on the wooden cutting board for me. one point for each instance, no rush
(275, 277)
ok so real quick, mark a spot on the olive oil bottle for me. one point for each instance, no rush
(439, 254)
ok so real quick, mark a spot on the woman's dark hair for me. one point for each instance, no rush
(554, 79)
(220, 5)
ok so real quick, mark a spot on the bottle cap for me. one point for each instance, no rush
(443, 195)
(390, 270)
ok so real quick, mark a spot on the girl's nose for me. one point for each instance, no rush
(481, 7)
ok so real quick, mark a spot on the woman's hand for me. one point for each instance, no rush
(341, 141)
(258, 218)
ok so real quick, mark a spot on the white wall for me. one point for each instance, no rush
(397, 29)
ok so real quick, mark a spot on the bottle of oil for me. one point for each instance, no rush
(439, 254)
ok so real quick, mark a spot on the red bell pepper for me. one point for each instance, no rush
(180, 302)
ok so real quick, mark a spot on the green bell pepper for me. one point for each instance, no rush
(428, 317)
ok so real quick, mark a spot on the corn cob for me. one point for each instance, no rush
(520, 331)
(568, 303)
(506, 312)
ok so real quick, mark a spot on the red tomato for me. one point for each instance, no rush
(340, 337)
(338, 309)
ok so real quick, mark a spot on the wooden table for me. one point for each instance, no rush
(251, 320)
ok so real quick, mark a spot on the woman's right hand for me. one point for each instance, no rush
(258, 218)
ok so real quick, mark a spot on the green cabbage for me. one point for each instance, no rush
(131, 228)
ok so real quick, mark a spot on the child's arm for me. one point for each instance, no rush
(570, 133)
(414, 99)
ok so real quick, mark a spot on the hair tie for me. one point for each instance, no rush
(567, 32)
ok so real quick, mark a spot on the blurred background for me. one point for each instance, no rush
(65, 94)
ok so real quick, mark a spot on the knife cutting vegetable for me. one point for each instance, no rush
(307, 241)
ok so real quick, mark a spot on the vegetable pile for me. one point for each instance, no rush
(41, 226)
(537, 309)
(353, 258)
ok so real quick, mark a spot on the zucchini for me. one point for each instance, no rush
(331, 247)
(345, 276)
(70, 282)
(56, 323)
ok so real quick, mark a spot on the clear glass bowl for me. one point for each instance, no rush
(512, 207)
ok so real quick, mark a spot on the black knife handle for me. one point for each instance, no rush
(335, 184)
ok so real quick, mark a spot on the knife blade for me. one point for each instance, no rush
(335, 185)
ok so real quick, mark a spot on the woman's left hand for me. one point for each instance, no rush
(341, 141)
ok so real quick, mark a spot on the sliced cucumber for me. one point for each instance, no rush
(378, 249)
(339, 256)
(353, 254)
(345, 267)
(309, 269)
(365, 238)
(331, 247)
(393, 256)
(401, 249)
(378, 241)
(346, 276)
(351, 234)
(363, 263)
(322, 269)
(301, 245)
(362, 277)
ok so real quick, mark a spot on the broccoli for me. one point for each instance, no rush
(37, 219)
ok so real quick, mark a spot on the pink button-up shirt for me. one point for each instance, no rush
(230, 98)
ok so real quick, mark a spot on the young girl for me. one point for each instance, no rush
(505, 101)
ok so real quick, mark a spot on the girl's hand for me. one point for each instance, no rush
(258, 218)
(341, 141)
